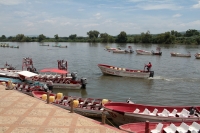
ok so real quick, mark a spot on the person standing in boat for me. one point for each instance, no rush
(50, 85)
(148, 66)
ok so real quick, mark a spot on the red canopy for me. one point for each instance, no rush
(54, 70)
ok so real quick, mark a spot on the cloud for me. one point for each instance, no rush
(90, 25)
(196, 5)
(97, 16)
(11, 2)
(176, 15)
(158, 7)
(21, 13)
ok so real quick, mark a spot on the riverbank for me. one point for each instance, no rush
(20, 113)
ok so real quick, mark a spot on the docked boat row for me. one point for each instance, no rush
(152, 52)
(90, 107)
(8, 46)
(56, 45)
(60, 76)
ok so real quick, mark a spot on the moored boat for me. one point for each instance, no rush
(161, 127)
(108, 48)
(124, 72)
(44, 44)
(123, 51)
(197, 55)
(144, 52)
(63, 46)
(174, 54)
(90, 107)
(123, 113)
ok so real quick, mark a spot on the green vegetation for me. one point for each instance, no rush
(191, 36)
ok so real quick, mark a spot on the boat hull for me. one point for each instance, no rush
(180, 55)
(143, 52)
(123, 113)
(122, 72)
(197, 55)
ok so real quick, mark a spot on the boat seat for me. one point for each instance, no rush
(194, 127)
(183, 113)
(170, 129)
(136, 111)
(158, 128)
(165, 113)
(183, 128)
(173, 113)
(146, 111)
(154, 112)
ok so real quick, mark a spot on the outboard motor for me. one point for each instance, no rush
(83, 82)
(151, 74)
(74, 75)
(131, 51)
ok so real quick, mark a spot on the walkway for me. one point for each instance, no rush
(20, 113)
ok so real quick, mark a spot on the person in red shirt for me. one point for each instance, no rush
(149, 66)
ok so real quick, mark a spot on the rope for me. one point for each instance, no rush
(111, 123)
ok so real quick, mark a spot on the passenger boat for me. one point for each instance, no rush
(123, 51)
(144, 52)
(197, 55)
(124, 72)
(162, 127)
(14, 46)
(44, 44)
(27, 87)
(110, 48)
(63, 46)
(90, 107)
(180, 54)
(123, 113)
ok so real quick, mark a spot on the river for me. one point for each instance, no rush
(176, 80)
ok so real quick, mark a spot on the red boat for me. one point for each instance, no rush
(123, 113)
(90, 107)
(162, 127)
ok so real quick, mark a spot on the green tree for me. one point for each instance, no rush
(146, 37)
(56, 37)
(41, 37)
(72, 36)
(122, 37)
(104, 37)
(19, 37)
(3, 37)
(191, 32)
(93, 34)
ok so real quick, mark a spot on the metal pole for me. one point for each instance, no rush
(47, 97)
(103, 118)
(72, 106)
(147, 127)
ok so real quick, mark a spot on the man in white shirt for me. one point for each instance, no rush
(50, 85)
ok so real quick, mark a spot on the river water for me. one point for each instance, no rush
(176, 80)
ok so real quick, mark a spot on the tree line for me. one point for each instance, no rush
(191, 36)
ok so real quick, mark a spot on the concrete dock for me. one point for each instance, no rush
(20, 113)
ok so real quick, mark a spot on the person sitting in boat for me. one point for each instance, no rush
(148, 66)
(50, 85)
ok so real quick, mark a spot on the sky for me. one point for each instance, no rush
(67, 17)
